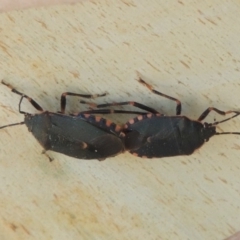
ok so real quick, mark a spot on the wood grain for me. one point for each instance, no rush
(189, 50)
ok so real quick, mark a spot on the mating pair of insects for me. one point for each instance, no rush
(87, 136)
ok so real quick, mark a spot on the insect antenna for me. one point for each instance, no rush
(225, 120)
(15, 124)
(217, 133)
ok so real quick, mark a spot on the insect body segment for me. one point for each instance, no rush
(82, 136)
(154, 135)
(151, 134)
(166, 136)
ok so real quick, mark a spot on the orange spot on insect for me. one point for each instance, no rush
(122, 134)
(117, 128)
(84, 145)
(146, 84)
(98, 119)
(140, 117)
(86, 115)
(149, 86)
(149, 115)
(144, 157)
(135, 154)
(92, 105)
(7, 84)
(108, 123)
(95, 95)
(131, 121)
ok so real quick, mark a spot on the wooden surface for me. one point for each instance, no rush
(189, 50)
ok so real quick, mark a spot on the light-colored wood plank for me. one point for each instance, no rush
(189, 50)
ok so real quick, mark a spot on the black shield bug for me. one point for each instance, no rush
(83, 136)
(154, 135)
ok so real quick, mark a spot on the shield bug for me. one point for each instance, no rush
(83, 136)
(155, 135)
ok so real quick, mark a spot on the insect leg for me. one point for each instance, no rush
(35, 104)
(108, 111)
(179, 105)
(50, 158)
(135, 104)
(64, 100)
(208, 110)
(13, 124)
